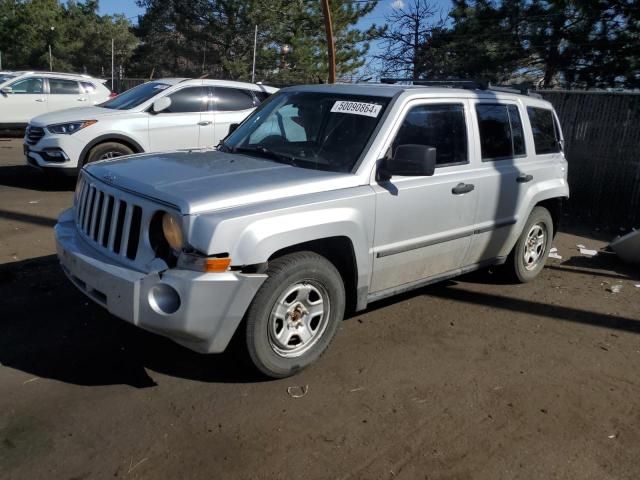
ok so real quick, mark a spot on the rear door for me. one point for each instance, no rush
(64, 93)
(231, 105)
(26, 101)
(179, 125)
(503, 178)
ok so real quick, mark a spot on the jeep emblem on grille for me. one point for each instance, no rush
(109, 178)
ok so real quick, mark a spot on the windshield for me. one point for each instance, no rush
(5, 76)
(326, 131)
(136, 96)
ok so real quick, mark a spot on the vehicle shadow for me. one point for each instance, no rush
(48, 329)
(28, 178)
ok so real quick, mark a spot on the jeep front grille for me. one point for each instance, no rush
(107, 220)
(34, 134)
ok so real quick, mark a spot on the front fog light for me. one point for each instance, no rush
(164, 299)
(172, 231)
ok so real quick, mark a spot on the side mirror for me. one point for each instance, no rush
(409, 161)
(6, 90)
(161, 104)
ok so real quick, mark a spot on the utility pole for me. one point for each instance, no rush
(331, 49)
(50, 59)
(255, 46)
(113, 57)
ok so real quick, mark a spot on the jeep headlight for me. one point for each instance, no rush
(172, 231)
(70, 127)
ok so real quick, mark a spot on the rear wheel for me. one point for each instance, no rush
(295, 314)
(530, 253)
(107, 150)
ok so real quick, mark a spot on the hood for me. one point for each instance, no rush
(202, 181)
(75, 114)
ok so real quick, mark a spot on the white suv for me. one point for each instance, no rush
(24, 95)
(166, 114)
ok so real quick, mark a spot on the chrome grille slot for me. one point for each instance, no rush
(34, 134)
(108, 221)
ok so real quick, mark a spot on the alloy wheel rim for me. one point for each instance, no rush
(108, 155)
(298, 318)
(535, 246)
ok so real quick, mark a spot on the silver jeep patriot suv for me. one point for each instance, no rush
(326, 198)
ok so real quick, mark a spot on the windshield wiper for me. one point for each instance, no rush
(267, 152)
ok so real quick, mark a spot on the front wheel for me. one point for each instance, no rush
(295, 314)
(528, 256)
(107, 150)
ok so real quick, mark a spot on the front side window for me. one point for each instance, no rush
(31, 85)
(441, 126)
(501, 134)
(136, 96)
(545, 136)
(187, 100)
(232, 99)
(318, 130)
(57, 86)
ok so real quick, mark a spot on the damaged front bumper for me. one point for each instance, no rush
(198, 310)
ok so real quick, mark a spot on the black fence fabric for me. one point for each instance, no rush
(602, 135)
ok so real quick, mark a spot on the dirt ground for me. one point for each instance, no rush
(472, 378)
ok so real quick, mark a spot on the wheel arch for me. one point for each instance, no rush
(339, 250)
(109, 137)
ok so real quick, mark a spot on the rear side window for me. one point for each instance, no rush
(441, 126)
(59, 86)
(188, 100)
(261, 96)
(501, 134)
(28, 85)
(545, 135)
(232, 99)
(88, 87)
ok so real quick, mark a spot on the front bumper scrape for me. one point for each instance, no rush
(211, 306)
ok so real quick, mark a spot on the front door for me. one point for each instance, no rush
(424, 225)
(179, 125)
(27, 100)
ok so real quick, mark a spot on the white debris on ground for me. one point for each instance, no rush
(553, 253)
(586, 251)
(615, 288)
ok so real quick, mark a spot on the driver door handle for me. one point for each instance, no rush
(462, 188)
(82, 99)
(40, 100)
(205, 123)
(524, 178)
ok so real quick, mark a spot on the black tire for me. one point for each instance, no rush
(301, 271)
(102, 150)
(516, 264)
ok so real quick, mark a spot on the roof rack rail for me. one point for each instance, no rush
(520, 88)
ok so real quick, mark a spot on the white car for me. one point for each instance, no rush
(165, 114)
(24, 95)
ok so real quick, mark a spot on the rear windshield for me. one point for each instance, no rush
(136, 96)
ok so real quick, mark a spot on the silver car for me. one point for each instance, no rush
(326, 198)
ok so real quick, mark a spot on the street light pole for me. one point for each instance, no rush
(113, 87)
(255, 45)
(331, 49)
(50, 60)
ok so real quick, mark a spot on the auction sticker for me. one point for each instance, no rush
(356, 108)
